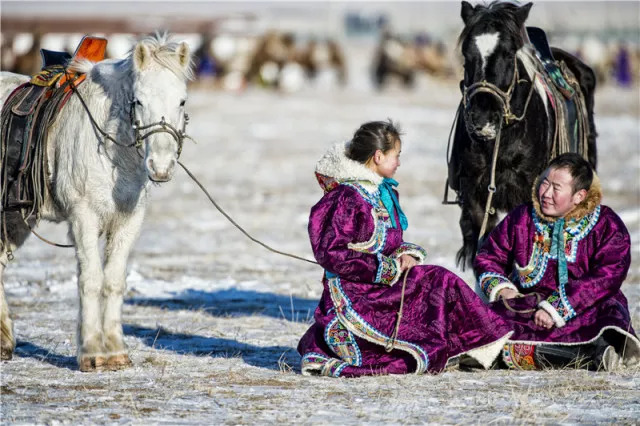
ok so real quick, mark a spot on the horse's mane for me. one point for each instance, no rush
(500, 11)
(163, 51)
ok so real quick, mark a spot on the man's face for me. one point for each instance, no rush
(555, 193)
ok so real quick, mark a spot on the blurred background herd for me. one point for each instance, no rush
(287, 46)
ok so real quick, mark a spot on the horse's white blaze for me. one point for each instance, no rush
(486, 44)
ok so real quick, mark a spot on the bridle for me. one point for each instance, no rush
(158, 127)
(503, 97)
(179, 135)
(507, 118)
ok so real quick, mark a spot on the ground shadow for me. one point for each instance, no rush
(29, 350)
(234, 302)
(271, 357)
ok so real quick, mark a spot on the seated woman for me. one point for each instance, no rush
(553, 269)
(370, 320)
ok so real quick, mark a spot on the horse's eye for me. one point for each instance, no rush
(182, 102)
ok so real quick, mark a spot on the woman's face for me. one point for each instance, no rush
(386, 163)
(555, 193)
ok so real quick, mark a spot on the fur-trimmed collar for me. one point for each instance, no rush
(335, 167)
(587, 206)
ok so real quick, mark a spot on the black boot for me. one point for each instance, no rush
(598, 355)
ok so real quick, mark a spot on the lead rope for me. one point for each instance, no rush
(392, 340)
(492, 186)
(523, 311)
(215, 204)
(233, 222)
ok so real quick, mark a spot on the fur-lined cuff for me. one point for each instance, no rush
(493, 296)
(557, 319)
(492, 283)
(411, 249)
(388, 272)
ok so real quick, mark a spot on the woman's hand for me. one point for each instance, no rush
(407, 261)
(507, 293)
(543, 319)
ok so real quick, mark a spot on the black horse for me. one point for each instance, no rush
(505, 98)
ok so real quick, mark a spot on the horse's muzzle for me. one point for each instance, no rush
(159, 174)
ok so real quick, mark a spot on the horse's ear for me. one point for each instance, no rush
(141, 56)
(466, 11)
(522, 13)
(184, 54)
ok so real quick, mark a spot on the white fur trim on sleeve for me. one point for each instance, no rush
(557, 319)
(494, 293)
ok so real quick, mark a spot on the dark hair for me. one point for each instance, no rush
(371, 136)
(578, 167)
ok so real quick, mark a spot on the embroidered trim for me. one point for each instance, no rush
(361, 328)
(313, 362)
(519, 356)
(342, 343)
(388, 271)
(372, 198)
(560, 302)
(574, 232)
(489, 282)
(412, 250)
(379, 237)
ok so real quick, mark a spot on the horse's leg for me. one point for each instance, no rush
(463, 257)
(17, 233)
(7, 339)
(120, 240)
(470, 224)
(85, 230)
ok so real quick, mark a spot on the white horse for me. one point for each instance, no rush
(99, 184)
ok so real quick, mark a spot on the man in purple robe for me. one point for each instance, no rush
(356, 236)
(553, 269)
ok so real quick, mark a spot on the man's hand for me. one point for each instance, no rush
(507, 293)
(543, 319)
(407, 262)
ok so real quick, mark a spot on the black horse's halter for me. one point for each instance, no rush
(158, 127)
(507, 117)
(503, 97)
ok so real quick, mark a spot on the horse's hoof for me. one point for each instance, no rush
(6, 354)
(118, 362)
(92, 363)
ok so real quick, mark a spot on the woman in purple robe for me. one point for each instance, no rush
(553, 269)
(371, 320)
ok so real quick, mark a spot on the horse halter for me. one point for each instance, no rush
(503, 97)
(158, 127)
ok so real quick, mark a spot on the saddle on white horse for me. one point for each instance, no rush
(26, 116)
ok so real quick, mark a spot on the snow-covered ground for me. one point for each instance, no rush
(212, 320)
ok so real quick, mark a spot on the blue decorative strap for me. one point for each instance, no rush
(557, 247)
(391, 203)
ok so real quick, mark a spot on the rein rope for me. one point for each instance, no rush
(392, 340)
(523, 311)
